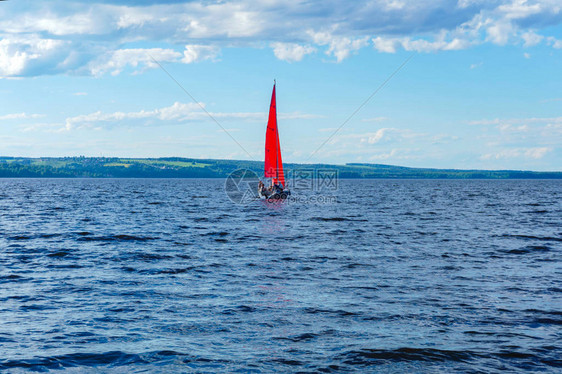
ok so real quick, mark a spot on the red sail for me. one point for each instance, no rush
(273, 166)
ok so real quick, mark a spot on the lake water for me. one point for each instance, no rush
(169, 275)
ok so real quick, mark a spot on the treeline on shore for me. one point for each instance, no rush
(177, 167)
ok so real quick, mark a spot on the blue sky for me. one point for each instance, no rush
(483, 87)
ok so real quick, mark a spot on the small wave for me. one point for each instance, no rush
(355, 265)
(34, 307)
(339, 312)
(298, 338)
(529, 237)
(373, 356)
(547, 321)
(367, 357)
(288, 259)
(248, 238)
(48, 236)
(116, 238)
(216, 233)
(11, 277)
(20, 237)
(151, 256)
(239, 309)
(337, 232)
(285, 361)
(528, 249)
(336, 219)
(176, 271)
(58, 254)
(35, 236)
(546, 317)
(113, 359)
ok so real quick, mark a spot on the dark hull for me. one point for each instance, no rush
(277, 196)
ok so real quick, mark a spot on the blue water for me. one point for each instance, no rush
(170, 275)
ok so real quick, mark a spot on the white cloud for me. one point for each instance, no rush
(139, 58)
(500, 32)
(443, 139)
(555, 43)
(440, 43)
(384, 156)
(84, 21)
(510, 127)
(338, 46)
(515, 121)
(178, 112)
(195, 53)
(421, 45)
(21, 53)
(534, 153)
(41, 126)
(531, 38)
(116, 61)
(376, 137)
(519, 9)
(394, 4)
(19, 116)
(387, 45)
(56, 37)
(341, 48)
(291, 52)
(385, 134)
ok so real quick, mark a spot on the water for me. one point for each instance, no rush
(169, 275)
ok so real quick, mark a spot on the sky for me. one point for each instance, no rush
(467, 84)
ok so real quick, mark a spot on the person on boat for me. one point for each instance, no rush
(261, 189)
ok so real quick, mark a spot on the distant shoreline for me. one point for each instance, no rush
(179, 167)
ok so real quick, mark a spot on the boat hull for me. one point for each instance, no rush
(276, 196)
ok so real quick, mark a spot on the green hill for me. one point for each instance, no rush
(176, 167)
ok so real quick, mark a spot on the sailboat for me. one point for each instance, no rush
(273, 163)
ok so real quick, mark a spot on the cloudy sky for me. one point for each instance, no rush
(482, 87)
